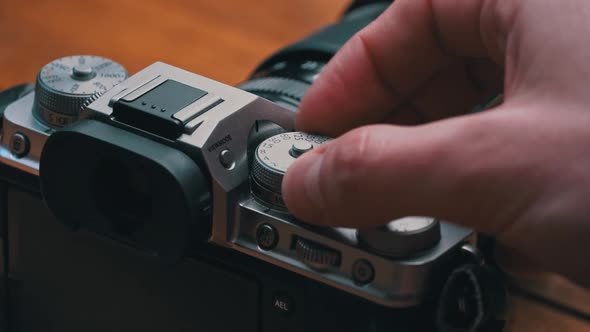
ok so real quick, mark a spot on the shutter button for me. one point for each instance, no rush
(299, 148)
(226, 158)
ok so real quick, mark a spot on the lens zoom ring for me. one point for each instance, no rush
(277, 85)
(267, 177)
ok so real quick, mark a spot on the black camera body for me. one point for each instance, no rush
(152, 202)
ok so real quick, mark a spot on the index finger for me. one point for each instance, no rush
(388, 60)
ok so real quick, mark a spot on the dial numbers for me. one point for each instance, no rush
(64, 85)
(96, 74)
(275, 151)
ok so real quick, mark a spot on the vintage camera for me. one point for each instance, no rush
(153, 203)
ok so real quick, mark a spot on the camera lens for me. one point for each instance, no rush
(286, 75)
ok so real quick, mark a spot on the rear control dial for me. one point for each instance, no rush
(402, 237)
(66, 84)
(272, 158)
(315, 255)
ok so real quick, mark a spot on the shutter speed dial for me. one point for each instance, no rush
(272, 158)
(67, 84)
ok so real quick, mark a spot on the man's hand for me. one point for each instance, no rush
(520, 171)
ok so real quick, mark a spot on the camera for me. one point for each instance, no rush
(152, 202)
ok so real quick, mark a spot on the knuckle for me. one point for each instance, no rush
(498, 19)
(347, 162)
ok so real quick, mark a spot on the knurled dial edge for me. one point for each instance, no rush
(272, 158)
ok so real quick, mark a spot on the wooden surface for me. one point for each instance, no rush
(221, 39)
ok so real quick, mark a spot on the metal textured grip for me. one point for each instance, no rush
(68, 104)
(316, 255)
(270, 179)
(277, 85)
(65, 84)
(272, 158)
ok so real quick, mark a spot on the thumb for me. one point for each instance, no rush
(455, 169)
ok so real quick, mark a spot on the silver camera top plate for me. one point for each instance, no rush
(215, 125)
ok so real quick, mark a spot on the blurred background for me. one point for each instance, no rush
(221, 39)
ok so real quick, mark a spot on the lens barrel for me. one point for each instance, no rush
(285, 76)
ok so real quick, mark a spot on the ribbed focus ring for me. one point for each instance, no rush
(60, 103)
(277, 85)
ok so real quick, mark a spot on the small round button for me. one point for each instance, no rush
(267, 237)
(83, 72)
(226, 158)
(19, 145)
(66, 86)
(271, 159)
(299, 148)
(282, 303)
(362, 272)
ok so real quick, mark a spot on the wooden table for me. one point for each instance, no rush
(221, 39)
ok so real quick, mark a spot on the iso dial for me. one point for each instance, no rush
(63, 86)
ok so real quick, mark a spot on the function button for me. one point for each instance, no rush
(226, 158)
(362, 272)
(300, 147)
(267, 237)
(282, 303)
(83, 73)
(19, 145)
(282, 307)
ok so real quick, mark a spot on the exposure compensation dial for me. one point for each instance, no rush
(65, 85)
(402, 237)
(272, 158)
